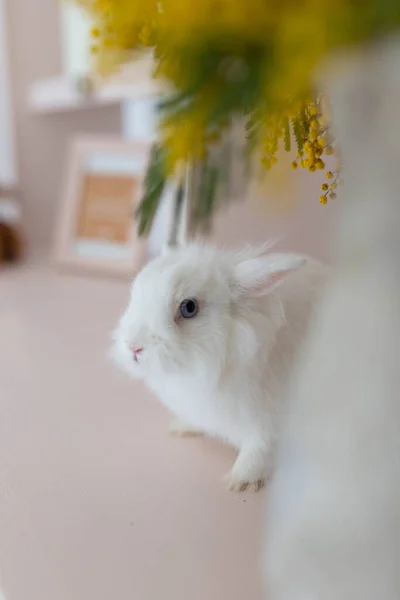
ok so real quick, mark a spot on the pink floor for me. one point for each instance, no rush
(97, 501)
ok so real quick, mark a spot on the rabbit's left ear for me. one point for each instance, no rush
(259, 275)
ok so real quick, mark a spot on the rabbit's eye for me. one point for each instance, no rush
(188, 308)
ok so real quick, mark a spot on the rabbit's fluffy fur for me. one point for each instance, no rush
(224, 372)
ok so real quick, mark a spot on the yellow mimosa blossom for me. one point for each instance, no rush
(229, 59)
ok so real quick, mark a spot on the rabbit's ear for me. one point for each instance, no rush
(258, 275)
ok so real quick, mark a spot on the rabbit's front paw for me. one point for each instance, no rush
(242, 484)
(179, 428)
(250, 469)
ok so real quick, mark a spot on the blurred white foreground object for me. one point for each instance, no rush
(333, 530)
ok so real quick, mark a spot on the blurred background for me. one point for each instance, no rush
(96, 500)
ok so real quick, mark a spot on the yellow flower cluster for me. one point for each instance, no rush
(313, 139)
(121, 27)
(226, 58)
(329, 188)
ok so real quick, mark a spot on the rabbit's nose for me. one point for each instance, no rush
(136, 352)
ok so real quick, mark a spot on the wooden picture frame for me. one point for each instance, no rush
(97, 228)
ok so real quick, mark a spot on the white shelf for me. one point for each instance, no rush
(10, 212)
(61, 94)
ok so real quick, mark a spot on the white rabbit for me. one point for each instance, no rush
(214, 333)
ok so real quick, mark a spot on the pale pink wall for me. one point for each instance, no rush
(287, 207)
(41, 140)
(308, 229)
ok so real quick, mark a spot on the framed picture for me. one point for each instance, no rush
(97, 228)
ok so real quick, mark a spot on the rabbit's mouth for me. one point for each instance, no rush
(136, 352)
